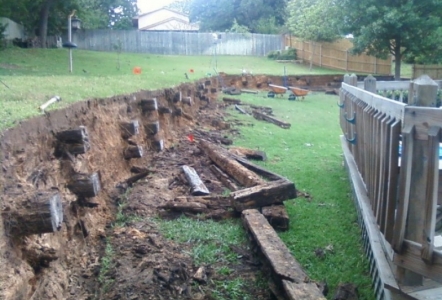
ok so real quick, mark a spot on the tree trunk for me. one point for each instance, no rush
(43, 24)
(397, 60)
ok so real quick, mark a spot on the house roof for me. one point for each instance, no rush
(162, 8)
(191, 26)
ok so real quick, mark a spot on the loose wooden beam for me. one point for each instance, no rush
(131, 180)
(212, 202)
(224, 178)
(260, 116)
(241, 110)
(268, 110)
(257, 169)
(285, 268)
(193, 207)
(197, 186)
(221, 158)
(231, 100)
(277, 216)
(248, 91)
(42, 212)
(273, 192)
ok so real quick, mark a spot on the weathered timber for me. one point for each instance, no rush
(75, 148)
(282, 263)
(180, 113)
(187, 100)
(193, 207)
(164, 110)
(197, 186)
(226, 141)
(133, 151)
(152, 128)
(260, 116)
(213, 90)
(277, 216)
(249, 153)
(257, 169)
(148, 105)
(240, 110)
(268, 110)
(158, 144)
(224, 178)
(138, 169)
(131, 180)
(207, 83)
(221, 158)
(129, 129)
(302, 290)
(220, 124)
(346, 291)
(73, 136)
(212, 202)
(231, 100)
(85, 185)
(41, 212)
(248, 91)
(273, 192)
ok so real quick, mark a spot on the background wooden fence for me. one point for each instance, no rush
(434, 71)
(177, 43)
(337, 56)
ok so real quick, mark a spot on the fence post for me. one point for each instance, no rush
(370, 84)
(426, 90)
(353, 80)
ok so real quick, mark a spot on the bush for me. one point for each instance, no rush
(3, 35)
(289, 54)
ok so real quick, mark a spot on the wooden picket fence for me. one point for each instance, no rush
(337, 56)
(392, 154)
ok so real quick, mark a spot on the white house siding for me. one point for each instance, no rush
(14, 30)
(158, 16)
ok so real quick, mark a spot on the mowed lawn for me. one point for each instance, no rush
(308, 153)
(35, 75)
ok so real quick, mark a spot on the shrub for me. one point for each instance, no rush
(289, 54)
(3, 35)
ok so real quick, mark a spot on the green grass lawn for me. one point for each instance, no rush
(309, 153)
(35, 75)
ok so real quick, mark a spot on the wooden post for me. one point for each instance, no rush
(353, 80)
(73, 136)
(148, 105)
(370, 84)
(133, 151)
(197, 186)
(85, 185)
(129, 129)
(158, 144)
(152, 128)
(40, 213)
(426, 90)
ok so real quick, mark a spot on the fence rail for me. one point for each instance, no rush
(177, 43)
(395, 147)
(337, 56)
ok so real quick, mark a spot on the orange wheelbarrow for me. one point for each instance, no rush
(297, 92)
(276, 90)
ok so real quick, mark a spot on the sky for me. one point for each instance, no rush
(148, 5)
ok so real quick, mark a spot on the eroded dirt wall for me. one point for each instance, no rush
(42, 266)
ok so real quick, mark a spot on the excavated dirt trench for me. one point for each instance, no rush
(66, 264)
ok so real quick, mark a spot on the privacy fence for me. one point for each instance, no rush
(434, 71)
(337, 56)
(178, 43)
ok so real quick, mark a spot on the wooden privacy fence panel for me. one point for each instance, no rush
(396, 150)
(434, 71)
(337, 56)
(177, 43)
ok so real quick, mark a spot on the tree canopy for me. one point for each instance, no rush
(43, 17)
(314, 20)
(396, 27)
(258, 16)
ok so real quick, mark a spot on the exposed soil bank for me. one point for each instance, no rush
(65, 264)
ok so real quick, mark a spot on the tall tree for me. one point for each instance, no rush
(314, 20)
(393, 27)
(182, 6)
(260, 16)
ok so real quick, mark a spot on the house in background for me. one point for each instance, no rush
(164, 19)
(13, 29)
